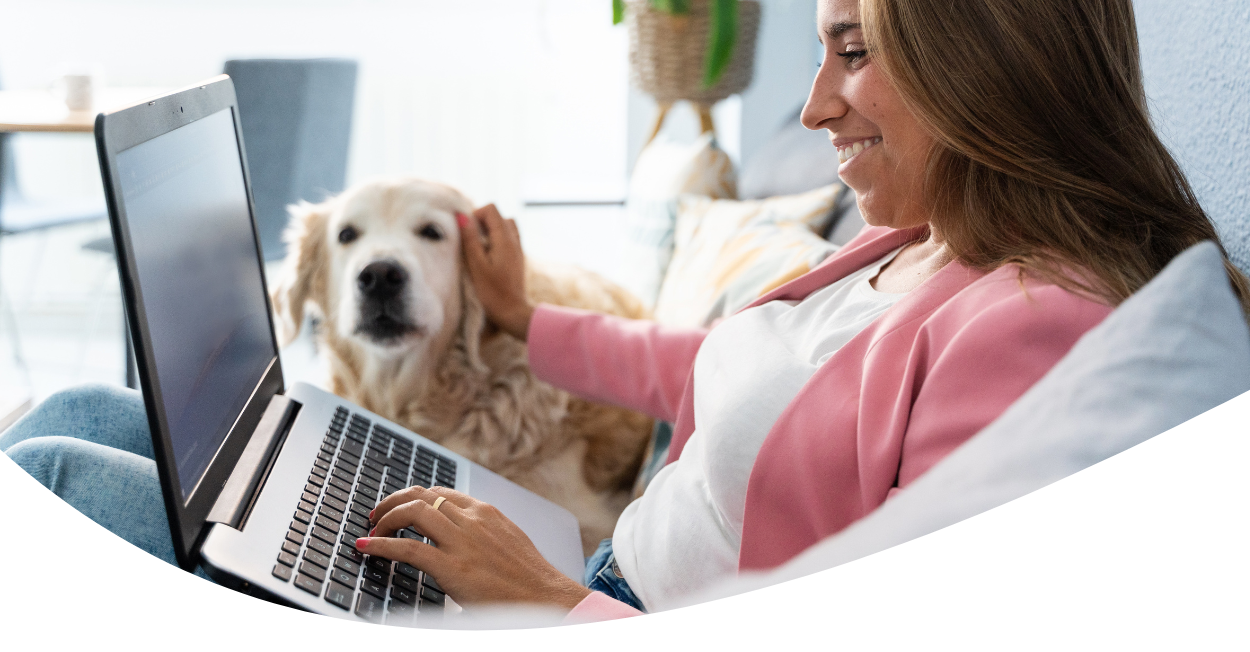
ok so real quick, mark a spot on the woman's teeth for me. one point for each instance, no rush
(848, 152)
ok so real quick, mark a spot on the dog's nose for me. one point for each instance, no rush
(381, 280)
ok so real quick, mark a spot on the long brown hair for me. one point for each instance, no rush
(1045, 155)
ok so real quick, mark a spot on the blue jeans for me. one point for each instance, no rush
(603, 575)
(91, 446)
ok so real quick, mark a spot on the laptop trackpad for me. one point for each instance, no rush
(552, 528)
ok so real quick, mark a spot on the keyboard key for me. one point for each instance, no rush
(302, 528)
(286, 559)
(295, 537)
(316, 558)
(364, 500)
(357, 519)
(323, 456)
(308, 584)
(282, 572)
(373, 575)
(319, 473)
(352, 448)
(429, 581)
(408, 571)
(313, 490)
(369, 607)
(409, 584)
(367, 493)
(346, 476)
(409, 533)
(307, 506)
(371, 473)
(330, 525)
(342, 576)
(320, 546)
(339, 486)
(331, 513)
(349, 552)
(432, 595)
(347, 565)
(369, 483)
(309, 497)
(303, 517)
(348, 539)
(335, 503)
(332, 490)
(328, 536)
(403, 595)
(355, 530)
(376, 589)
(339, 595)
(292, 548)
(361, 508)
(313, 571)
(400, 613)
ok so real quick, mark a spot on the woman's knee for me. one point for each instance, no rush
(107, 415)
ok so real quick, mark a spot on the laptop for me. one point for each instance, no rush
(266, 487)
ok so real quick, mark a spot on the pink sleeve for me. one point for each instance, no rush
(636, 364)
(596, 607)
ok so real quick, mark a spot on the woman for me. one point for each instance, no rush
(1002, 155)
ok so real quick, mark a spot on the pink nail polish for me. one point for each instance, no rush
(371, 512)
(372, 531)
(361, 543)
(462, 220)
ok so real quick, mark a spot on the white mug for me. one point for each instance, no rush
(78, 91)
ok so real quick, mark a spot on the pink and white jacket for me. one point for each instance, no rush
(931, 372)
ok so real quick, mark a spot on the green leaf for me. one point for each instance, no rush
(673, 7)
(618, 11)
(722, 36)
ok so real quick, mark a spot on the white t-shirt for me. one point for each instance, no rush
(685, 532)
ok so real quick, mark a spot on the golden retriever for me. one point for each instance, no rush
(380, 269)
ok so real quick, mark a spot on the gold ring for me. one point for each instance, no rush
(439, 501)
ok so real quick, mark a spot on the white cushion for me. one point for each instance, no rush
(1175, 349)
(664, 171)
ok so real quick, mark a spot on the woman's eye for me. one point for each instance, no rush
(348, 234)
(855, 56)
(431, 232)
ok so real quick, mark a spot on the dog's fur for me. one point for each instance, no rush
(427, 358)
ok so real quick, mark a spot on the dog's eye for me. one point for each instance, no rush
(348, 234)
(431, 232)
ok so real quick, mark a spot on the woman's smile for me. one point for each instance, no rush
(851, 149)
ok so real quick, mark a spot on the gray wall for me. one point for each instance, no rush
(1196, 59)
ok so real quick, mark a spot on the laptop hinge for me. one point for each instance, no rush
(234, 504)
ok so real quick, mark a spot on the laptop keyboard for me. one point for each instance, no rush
(359, 464)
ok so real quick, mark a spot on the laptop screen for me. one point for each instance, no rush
(200, 277)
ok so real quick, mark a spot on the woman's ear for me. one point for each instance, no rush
(472, 323)
(303, 275)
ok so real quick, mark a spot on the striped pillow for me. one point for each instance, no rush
(728, 253)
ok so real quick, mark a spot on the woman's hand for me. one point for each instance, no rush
(481, 557)
(492, 251)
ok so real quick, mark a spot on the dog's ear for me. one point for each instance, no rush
(472, 324)
(302, 278)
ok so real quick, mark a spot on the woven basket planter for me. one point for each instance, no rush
(666, 52)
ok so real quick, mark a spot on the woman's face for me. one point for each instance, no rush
(881, 146)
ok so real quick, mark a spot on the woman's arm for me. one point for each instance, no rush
(635, 364)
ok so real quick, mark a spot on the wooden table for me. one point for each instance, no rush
(39, 110)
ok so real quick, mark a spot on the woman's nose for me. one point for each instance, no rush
(825, 101)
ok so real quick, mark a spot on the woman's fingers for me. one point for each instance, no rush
(410, 551)
(420, 516)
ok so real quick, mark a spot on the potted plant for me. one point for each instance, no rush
(701, 51)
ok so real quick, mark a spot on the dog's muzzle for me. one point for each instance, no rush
(383, 313)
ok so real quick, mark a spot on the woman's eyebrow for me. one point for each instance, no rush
(838, 29)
